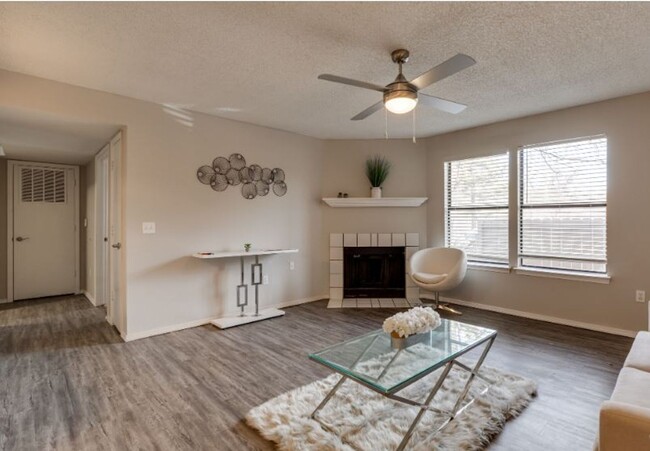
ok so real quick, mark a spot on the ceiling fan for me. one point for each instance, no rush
(402, 95)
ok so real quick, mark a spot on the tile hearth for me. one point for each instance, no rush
(373, 303)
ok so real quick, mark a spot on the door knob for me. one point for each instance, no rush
(21, 238)
(117, 245)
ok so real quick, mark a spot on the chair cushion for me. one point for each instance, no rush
(639, 356)
(429, 278)
(632, 387)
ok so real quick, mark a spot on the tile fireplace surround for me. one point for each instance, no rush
(409, 241)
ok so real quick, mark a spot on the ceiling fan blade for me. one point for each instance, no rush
(441, 104)
(368, 111)
(350, 81)
(443, 70)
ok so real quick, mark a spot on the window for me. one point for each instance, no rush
(476, 213)
(563, 205)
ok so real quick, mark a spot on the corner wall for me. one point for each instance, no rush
(343, 170)
(625, 122)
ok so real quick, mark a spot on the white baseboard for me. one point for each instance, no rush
(4, 301)
(89, 297)
(539, 317)
(166, 329)
(204, 321)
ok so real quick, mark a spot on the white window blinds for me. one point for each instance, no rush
(563, 205)
(476, 210)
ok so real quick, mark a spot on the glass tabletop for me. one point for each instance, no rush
(371, 360)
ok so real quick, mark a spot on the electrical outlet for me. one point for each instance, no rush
(640, 296)
(292, 265)
(265, 279)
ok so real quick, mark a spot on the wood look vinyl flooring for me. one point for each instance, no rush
(68, 382)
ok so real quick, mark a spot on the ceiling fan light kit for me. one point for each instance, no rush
(401, 96)
(400, 102)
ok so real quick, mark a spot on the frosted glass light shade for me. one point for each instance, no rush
(401, 105)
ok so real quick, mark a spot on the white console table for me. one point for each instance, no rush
(242, 288)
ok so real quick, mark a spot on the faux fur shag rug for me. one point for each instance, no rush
(360, 419)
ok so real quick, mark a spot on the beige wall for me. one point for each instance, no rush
(344, 171)
(625, 122)
(165, 287)
(3, 229)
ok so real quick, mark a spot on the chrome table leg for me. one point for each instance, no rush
(425, 406)
(328, 397)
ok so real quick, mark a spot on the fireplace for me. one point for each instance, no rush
(372, 278)
(374, 272)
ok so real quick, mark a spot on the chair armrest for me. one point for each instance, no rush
(624, 427)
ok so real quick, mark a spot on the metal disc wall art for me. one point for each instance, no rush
(219, 182)
(205, 174)
(279, 188)
(232, 171)
(233, 177)
(221, 165)
(249, 190)
(237, 161)
(267, 176)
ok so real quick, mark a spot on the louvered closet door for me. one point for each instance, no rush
(44, 232)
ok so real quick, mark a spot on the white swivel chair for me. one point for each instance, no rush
(438, 269)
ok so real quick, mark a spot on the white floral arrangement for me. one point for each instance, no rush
(418, 320)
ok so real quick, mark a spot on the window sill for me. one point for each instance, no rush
(488, 267)
(567, 275)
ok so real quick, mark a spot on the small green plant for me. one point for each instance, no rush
(377, 170)
(247, 247)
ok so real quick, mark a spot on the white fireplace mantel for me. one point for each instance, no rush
(350, 202)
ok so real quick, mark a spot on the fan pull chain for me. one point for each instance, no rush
(386, 123)
(414, 140)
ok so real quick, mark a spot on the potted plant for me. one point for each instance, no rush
(377, 170)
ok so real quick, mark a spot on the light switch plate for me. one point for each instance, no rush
(148, 227)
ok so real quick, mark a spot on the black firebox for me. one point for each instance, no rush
(374, 272)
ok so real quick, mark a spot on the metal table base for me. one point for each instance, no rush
(426, 406)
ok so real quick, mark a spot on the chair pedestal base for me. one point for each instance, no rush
(444, 307)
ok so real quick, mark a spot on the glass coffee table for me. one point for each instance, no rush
(371, 361)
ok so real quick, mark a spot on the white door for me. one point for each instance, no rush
(115, 310)
(44, 231)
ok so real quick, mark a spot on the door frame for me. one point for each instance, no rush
(116, 307)
(102, 195)
(11, 165)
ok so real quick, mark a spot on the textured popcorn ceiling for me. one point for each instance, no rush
(258, 62)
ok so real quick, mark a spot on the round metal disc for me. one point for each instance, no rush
(257, 171)
(219, 182)
(246, 174)
(267, 176)
(237, 161)
(280, 188)
(262, 188)
(205, 174)
(233, 177)
(221, 165)
(248, 190)
(278, 175)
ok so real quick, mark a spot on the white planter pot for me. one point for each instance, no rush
(375, 192)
